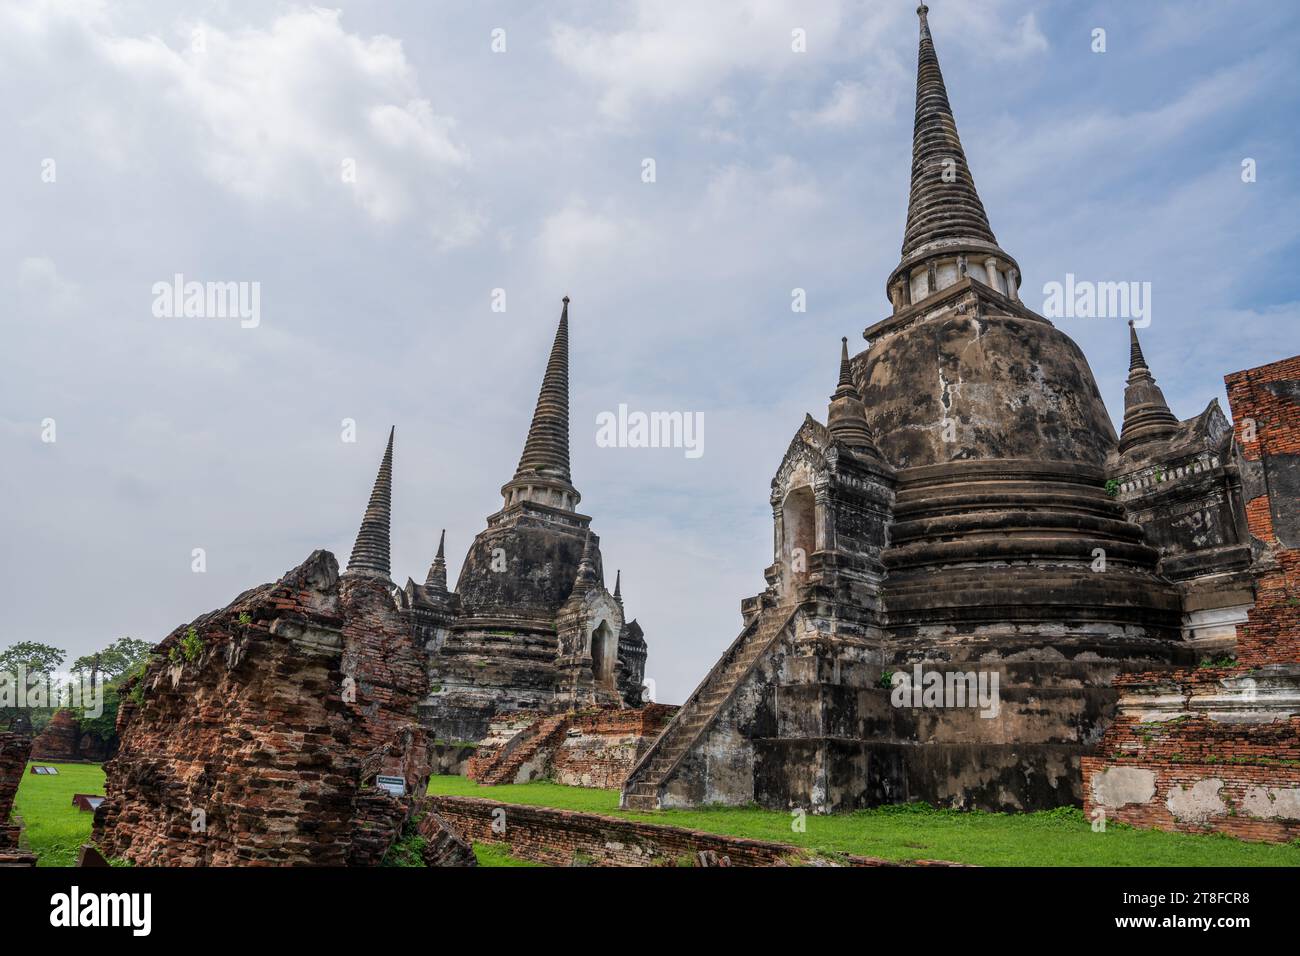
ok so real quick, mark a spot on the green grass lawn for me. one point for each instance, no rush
(53, 828)
(912, 832)
(498, 854)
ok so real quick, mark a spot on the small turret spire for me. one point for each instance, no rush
(587, 577)
(847, 418)
(370, 554)
(1147, 417)
(437, 576)
(618, 586)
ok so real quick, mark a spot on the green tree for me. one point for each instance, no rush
(113, 665)
(114, 661)
(38, 661)
(37, 658)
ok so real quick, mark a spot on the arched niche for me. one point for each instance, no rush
(604, 652)
(798, 532)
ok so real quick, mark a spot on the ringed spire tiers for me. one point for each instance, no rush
(370, 554)
(543, 474)
(948, 236)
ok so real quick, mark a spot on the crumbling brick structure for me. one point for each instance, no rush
(589, 748)
(257, 733)
(14, 750)
(60, 740)
(1218, 748)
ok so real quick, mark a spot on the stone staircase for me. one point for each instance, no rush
(522, 747)
(644, 783)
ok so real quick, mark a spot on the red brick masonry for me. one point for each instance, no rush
(14, 749)
(1219, 748)
(567, 838)
(593, 748)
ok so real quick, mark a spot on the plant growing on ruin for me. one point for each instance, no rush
(1226, 661)
(189, 648)
(408, 849)
(886, 679)
(1112, 487)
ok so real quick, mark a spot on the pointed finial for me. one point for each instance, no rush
(618, 586)
(846, 371)
(437, 576)
(544, 465)
(370, 554)
(1135, 357)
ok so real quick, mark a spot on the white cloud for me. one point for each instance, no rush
(270, 114)
(576, 235)
(38, 278)
(682, 47)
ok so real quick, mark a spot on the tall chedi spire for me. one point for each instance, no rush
(1147, 417)
(437, 576)
(370, 554)
(945, 218)
(543, 472)
(847, 417)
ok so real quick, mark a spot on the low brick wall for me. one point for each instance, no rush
(594, 748)
(601, 749)
(567, 838)
(1250, 803)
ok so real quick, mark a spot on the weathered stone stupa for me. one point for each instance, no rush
(530, 625)
(952, 520)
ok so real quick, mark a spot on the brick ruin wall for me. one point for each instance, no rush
(593, 748)
(14, 751)
(567, 838)
(60, 739)
(261, 744)
(1219, 748)
(63, 741)
(600, 749)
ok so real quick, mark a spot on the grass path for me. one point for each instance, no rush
(912, 832)
(53, 828)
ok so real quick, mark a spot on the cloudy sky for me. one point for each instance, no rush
(214, 140)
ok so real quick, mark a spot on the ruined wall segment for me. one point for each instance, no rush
(60, 740)
(1217, 747)
(256, 733)
(14, 751)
